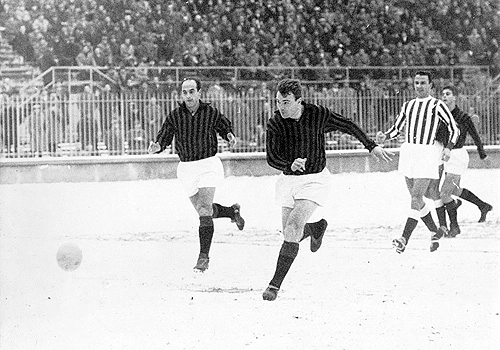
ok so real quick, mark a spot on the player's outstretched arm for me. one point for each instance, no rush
(381, 154)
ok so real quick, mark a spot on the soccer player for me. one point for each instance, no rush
(458, 163)
(195, 125)
(295, 145)
(419, 155)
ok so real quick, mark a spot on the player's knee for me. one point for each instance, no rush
(205, 209)
(293, 232)
(417, 201)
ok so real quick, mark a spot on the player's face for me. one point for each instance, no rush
(448, 97)
(422, 86)
(288, 106)
(190, 95)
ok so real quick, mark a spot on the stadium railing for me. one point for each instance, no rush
(95, 122)
(74, 78)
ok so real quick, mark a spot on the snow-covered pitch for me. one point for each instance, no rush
(135, 288)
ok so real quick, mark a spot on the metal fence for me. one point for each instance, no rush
(106, 123)
(75, 77)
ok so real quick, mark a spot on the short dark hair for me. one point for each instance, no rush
(452, 88)
(290, 86)
(426, 73)
(197, 81)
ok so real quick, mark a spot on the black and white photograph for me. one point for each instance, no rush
(229, 174)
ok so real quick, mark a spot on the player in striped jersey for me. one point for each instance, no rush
(295, 145)
(195, 125)
(458, 163)
(420, 155)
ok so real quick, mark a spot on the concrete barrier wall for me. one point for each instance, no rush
(132, 168)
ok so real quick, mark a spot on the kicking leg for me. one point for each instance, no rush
(293, 220)
(232, 212)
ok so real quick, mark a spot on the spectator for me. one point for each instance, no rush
(100, 59)
(137, 138)
(38, 131)
(87, 127)
(114, 136)
(55, 123)
(127, 53)
(22, 44)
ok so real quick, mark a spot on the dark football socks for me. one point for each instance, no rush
(206, 233)
(426, 216)
(471, 197)
(441, 213)
(451, 208)
(288, 252)
(410, 225)
(222, 212)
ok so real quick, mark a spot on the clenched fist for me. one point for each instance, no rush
(154, 147)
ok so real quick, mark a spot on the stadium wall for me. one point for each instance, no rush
(133, 168)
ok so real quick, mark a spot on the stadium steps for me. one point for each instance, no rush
(13, 70)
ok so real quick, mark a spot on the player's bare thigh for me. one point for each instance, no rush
(451, 186)
(295, 218)
(202, 201)
(417, 189)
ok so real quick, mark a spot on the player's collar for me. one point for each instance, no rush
(420, 99)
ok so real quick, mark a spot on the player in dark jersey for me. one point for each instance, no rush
(458, 163)
(195, 125)
(295, 145)
(420, 155)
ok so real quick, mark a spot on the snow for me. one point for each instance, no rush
(135, 288)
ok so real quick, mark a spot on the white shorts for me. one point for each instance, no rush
(314, 187)
(194, 175)
(458, 162)
(441, 148)
(420, 161)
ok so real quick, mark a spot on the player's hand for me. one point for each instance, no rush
(154, 147)
(381, 154)
(299, 164)
(232, 140)
(380, 137)
(446, 154)
(482, 154)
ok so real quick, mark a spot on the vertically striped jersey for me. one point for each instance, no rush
(421, 117)
(195, 134)
(289, 139)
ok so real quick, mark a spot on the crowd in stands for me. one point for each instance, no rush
(308, 33)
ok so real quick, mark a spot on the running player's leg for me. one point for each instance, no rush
(434, 194)
(450, 185)
(417, 188)
(293, 220)
(469, 196)
(233, 212)
(202, 202)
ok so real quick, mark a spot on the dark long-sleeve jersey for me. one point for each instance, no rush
(289, 139)
(195, 135)
(465, 125)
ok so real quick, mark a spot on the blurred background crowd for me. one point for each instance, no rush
(305, 33)
(140, 46)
